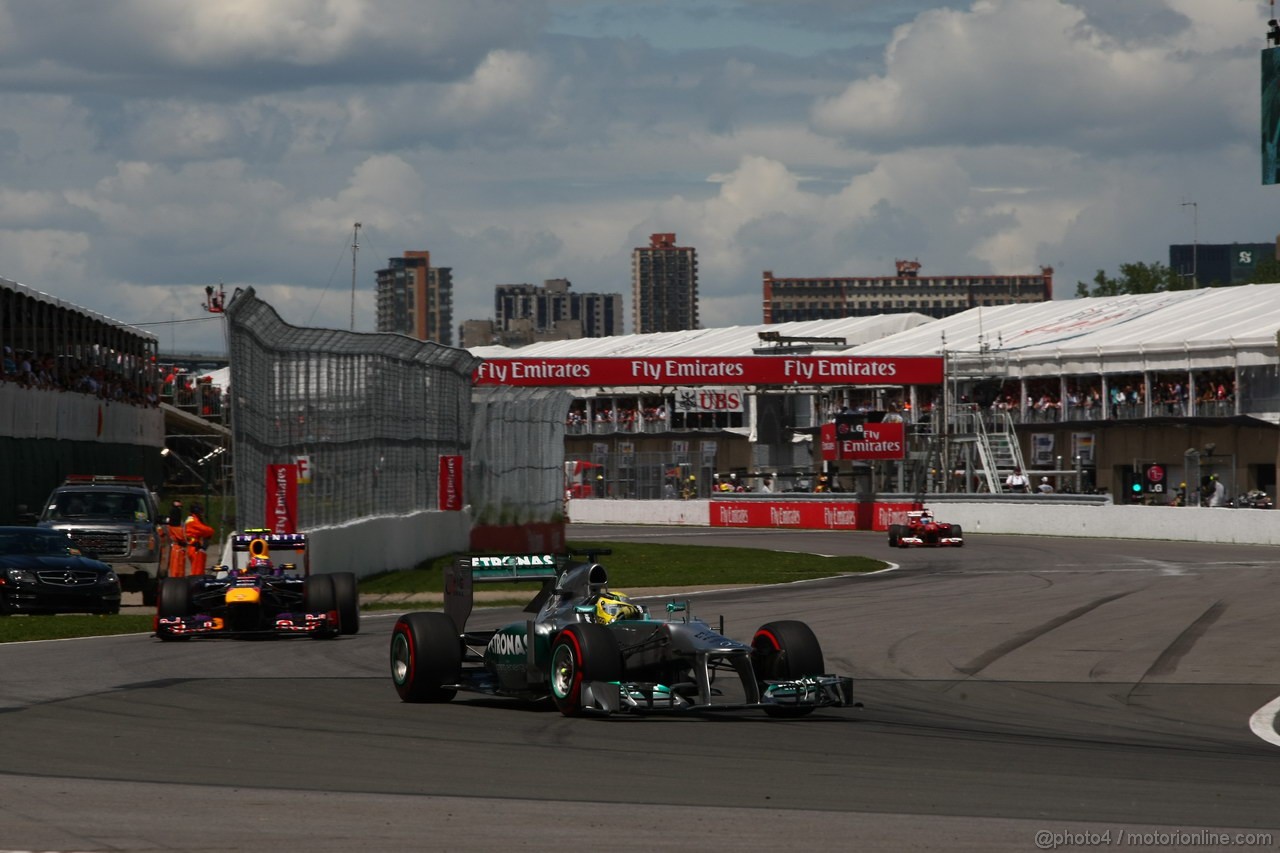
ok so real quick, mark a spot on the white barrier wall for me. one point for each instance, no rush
(1190, 524)
(372, 545)
(692, 513)
(1184, 524)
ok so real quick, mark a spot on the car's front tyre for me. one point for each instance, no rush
(174, 601)
(581, 653)
(318, 596)
(786, 650)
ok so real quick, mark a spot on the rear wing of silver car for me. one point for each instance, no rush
(461, 576)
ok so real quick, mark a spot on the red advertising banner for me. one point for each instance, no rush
(893, 513)
(827, 438)
(809, 515)
(877, 441)
(802, 515)
(450, 491)
(282, 498)
(712, 370)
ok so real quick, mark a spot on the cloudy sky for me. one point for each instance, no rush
(152, 147)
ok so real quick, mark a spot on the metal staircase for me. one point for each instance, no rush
(991, 452)
(999, 450)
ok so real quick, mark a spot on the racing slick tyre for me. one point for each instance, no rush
(959, 534)
(895, 535)
(173, 600)
(347, 594)
(318, 595)
(426, 655)
(784, 651)
(582, 652)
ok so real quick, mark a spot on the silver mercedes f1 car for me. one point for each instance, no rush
(592, 650)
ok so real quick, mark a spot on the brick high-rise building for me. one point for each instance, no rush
(415, 298)
(828, 298)
(664, 286)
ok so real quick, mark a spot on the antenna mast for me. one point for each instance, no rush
(355, 247)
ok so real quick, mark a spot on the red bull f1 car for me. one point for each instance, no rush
(922, 529)
(589, 649)
(254, 595)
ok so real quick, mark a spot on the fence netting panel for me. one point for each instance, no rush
(516, 472)
(373, 412)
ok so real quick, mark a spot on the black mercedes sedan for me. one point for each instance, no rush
(42, 571)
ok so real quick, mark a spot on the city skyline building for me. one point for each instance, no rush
(529, 313)
(1218, 264)
(831, 297)
(415, 299)
(664, 286)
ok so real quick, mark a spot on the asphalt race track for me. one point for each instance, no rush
(1019, 693)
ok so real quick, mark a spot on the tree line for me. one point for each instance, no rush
(1157, 278)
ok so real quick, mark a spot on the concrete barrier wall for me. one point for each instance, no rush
(1189, 524)
(1183, 524)
(373, 545)
(604, 511)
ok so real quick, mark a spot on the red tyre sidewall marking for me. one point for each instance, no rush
(768, 635)
(402, 630)
(576, 689)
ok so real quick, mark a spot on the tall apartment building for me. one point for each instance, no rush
(787, 299)
(528, 313)
(415, 298)
(664, 286)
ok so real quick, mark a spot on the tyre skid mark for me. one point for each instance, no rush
(1019, 640)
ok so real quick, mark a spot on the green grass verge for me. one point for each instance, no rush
(631, 566)
(15, 629)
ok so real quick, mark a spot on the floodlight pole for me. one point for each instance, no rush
(1195, 241)
(355, 247)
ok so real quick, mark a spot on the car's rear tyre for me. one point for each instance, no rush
(347, 593)
(426, 656)
(582, 653)
(959, 534)
(784, 651)
(318, 596)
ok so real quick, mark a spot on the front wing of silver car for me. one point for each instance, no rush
(631, 697)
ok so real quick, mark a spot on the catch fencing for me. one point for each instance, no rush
(516, 474)
(372, 412)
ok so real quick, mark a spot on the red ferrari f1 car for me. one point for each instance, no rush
(922, 529)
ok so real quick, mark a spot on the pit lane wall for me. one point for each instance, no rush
(1007, 514)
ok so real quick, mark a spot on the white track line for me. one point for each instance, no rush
(1263, 722)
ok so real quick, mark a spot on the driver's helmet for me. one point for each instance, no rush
(611, 606)
(260, 564)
